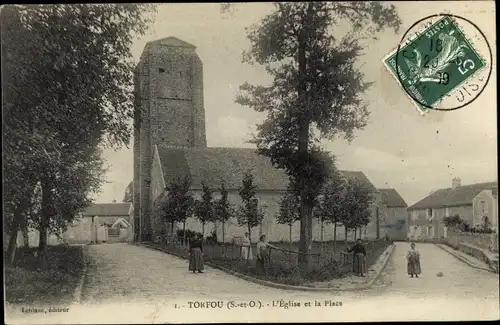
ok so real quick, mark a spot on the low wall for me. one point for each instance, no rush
(484, 241)
(473, 251)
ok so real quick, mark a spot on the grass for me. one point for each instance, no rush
(25, 283)
(284, 266)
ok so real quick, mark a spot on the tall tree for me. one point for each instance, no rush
(316, 89)
(223, 209)
(204, 208)
(248, 213)
(67, 88)
(289, 211)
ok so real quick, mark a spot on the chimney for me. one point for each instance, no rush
(456, 182)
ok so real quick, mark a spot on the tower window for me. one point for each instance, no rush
(161, 70)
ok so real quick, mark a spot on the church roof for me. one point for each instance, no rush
(172, 41)
(217, 163)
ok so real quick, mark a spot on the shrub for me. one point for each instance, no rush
(212, 239)
(189, 234)
(454, 222)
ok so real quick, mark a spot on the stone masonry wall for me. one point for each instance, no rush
(170, 95)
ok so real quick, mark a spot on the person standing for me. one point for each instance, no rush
(413, 258)
(196, 254)
(359, 258)
(246, 248)
(263, 257)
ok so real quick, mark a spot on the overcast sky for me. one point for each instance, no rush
(399, 148)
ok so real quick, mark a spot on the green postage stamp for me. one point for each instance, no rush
(434, 63)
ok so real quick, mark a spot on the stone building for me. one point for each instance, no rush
(426, 216)
(170, 142)
(393, 221)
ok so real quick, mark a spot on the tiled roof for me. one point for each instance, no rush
(228, 164)
(107, 209)
(392, 199)
(361, 178)
(448, 197)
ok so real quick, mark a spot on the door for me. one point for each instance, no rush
(430, 232)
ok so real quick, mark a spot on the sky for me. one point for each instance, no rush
(399, 148)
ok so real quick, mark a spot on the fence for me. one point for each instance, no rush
(326, 254)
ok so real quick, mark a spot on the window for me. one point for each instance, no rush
(484, 207)
(447, 212)
(161, 70)
(429, 213)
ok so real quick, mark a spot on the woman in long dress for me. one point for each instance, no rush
(359, 257)
(246, 251)
(413, 258)
(196, 254)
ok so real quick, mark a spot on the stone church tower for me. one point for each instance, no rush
(169, 93)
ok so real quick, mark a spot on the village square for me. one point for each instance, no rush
(299, 213)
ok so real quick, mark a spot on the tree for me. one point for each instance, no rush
(316, 89)
(357, 201)
(248, 213)
(178, 204)
(332, 204)
(67, 88)
(223, 209)
(289, 211)
(204, 208)
(129, 192)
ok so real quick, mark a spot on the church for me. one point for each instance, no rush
(170, 142)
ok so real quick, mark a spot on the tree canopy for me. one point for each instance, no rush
(67, 92)
(316, 89)
(248, 213)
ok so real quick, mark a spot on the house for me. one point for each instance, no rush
(485, 209)
(214, 165)
(394, 214)
(92, 225)
(425, 218)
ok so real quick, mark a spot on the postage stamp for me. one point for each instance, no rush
(434, 63)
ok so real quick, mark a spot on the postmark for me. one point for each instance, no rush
(442, 65)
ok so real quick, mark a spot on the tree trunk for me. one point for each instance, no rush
(223, 238)
(184, 232)
(250, 237)
(44, 223)
(345, 235)
(290, 232)
(26, 240)
(203, 230)
(334, 238)
(355, 233)
(321, 236)
(305, 209)
(377, 214)
(11, 249)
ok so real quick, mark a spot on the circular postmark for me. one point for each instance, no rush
(439, 62)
